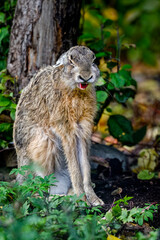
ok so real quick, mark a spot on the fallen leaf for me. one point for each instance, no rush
(96, 137)
(111, 237)
(111, 140)
(148, 159)
(117, 191)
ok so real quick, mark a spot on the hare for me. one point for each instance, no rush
(54, 121)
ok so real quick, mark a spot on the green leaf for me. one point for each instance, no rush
(111, 64)
(118, 80)
(108, 109)
(24, 208)
(5, 127)
(97, 45)
(100, 81)
(110, 86)
(116, 211)
(12, 114)
(101, 96)
(13, 171)
(100, 17)
(40, 193)
(124, 215)
(145, 175)
(2, 87)
(2, 109)
(108, 217)
(126, 66)
(4, 101)
(121, 128)
(140, 220)
(101, 54)
(2, 17)
(3, 143)
(133, 82)
(106, 34)
(139, 134)
(128, 78)
(149, 214)
(134, 211)
(145, 218)
(87, 36)
(129, 219)
(3, 33)
(13, 105)
(124, 95)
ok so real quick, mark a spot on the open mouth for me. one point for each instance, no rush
(82, 85)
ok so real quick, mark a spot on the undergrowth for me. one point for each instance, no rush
(27, 211)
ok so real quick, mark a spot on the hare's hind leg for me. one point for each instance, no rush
(46, 151)
(40, 150)
(63, 183)
(61, 173)
(22, 160)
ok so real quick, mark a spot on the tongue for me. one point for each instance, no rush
(82, 85)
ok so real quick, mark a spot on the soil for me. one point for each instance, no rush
(142, 191)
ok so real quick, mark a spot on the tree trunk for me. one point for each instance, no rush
(41, 31)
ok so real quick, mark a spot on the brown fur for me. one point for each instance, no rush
(54, 121)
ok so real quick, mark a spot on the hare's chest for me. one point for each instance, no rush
(75, 109)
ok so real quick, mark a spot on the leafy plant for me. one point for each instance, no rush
(138, 215)
(119, 215)
(147, 163)
(112, 85)
(139, 22)
(8, 95)
(148, 159)
(43, 217)
(7, 8)
(28, 212)
(153, 235)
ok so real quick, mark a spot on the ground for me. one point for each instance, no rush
(142, 191)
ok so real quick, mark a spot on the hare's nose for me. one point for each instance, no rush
(84, 79)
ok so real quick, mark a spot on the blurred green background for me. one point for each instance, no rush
(138, 22)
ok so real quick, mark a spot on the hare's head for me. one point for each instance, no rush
(79, 67)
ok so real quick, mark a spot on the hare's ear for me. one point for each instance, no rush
(62, 60)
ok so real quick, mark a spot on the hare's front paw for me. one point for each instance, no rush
(93, 199)
(96, 201)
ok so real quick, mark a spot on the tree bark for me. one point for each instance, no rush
(42, 30)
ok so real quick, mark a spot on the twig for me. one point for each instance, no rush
(100, 161)
(100, 112)
(118, 50)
